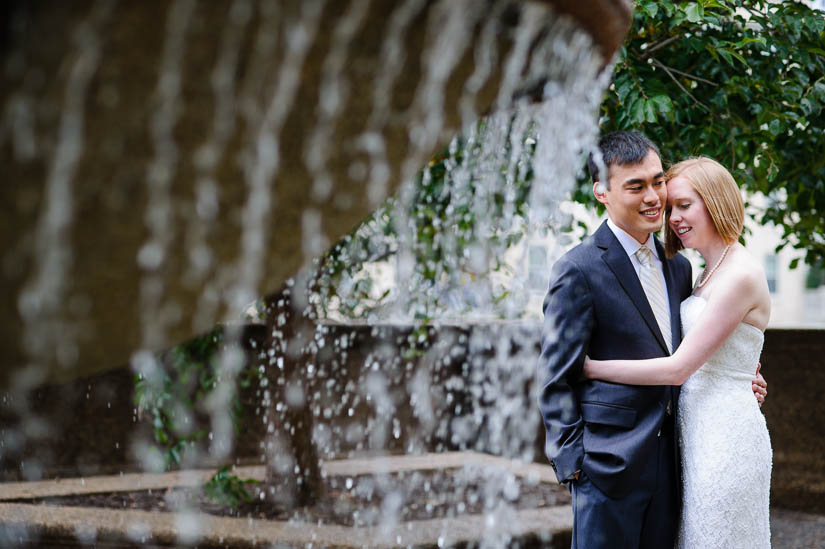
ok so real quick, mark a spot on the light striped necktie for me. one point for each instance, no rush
(656, 294)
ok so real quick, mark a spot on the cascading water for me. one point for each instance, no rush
(536, 146)
(464, 382)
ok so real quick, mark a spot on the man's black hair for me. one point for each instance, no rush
(621, 148)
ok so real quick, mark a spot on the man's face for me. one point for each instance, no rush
(637, 196)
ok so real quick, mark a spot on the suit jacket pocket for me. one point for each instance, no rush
(604, 413)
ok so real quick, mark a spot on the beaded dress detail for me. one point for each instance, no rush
(725, 447)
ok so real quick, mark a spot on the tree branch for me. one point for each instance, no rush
(681, 87)
(688, 75)
(658, 46)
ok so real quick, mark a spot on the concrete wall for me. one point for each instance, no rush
(793, 362)
(89, 426)
(400, 390)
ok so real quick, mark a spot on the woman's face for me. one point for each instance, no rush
(689, 218)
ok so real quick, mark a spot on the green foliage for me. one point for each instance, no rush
(228, 490)
(173, 396)
(417, 342)
(741, 81)
(340, 285)
(465, 199)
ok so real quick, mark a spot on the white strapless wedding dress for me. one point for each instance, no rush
(726, 451)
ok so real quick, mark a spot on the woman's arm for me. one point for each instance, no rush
(731, 300)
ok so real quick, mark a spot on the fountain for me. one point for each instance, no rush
(138, 175)
(155, 191)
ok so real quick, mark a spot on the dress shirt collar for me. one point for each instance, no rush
(630, 244)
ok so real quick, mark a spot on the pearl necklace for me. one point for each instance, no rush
(706, 277)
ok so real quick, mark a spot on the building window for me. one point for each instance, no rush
(815, 278)
(537, 275)
(771, 272)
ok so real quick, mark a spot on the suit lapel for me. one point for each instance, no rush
(672, 295)
(618, 261)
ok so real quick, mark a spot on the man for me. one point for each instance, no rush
(616, 296)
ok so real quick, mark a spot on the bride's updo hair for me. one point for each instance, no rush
(719, 192)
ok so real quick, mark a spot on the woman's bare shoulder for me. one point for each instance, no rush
(741, 278)
(746, 279)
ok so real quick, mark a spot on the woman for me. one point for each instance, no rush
(725, 448)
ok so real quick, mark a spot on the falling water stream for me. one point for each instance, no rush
(483, 352)
(496, 414)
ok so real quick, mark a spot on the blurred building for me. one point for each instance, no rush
(798, 294)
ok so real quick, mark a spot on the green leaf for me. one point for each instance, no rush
(725, 52)
(694, 12)
(637, 111)
(795, 23)
(808, 106)
(819, 91)
(623, 89)
(801, 77)
(750, 40)
(815, 24)
(650, 111)
(650, 8)
(792, 92)
(654, 86)
(228, 490)
(726, 56)
(663, 103)
(678, 19)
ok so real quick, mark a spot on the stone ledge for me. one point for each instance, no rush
(354, 466)
(116, 483)
(208, 530)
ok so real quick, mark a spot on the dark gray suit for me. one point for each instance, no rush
(619, 436)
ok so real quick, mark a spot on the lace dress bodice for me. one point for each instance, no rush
(733, 365)
(725, 447)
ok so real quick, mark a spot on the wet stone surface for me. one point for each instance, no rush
(352, 501)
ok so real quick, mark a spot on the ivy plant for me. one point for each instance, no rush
(464, 199)
(228, 490)
(173, 397)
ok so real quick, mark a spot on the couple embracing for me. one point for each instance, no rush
(646, 380)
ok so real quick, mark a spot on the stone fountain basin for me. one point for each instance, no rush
(110, 198)
(80, 525)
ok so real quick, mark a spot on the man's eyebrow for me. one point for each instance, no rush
(637, 180)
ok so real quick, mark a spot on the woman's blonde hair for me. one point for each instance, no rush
(719, 192)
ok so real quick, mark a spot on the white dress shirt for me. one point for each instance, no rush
(631, 245)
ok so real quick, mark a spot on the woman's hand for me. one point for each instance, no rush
(588, 368)
(759, 386)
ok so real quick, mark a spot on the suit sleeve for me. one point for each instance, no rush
(568, 322)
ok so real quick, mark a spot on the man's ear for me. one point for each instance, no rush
(600, 192)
